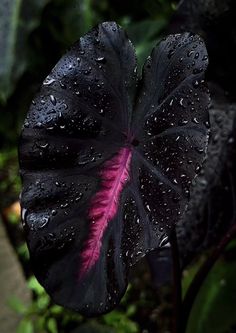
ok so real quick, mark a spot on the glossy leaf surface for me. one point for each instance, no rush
(107, 161)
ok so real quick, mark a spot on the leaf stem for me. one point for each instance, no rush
(177, 289)
(199, 278)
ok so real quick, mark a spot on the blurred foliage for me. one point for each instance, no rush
(9, 179)
(18, 19)
(44, 316)
(214, 310)
(33, 36)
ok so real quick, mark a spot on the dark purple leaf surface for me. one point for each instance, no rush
(107, 161)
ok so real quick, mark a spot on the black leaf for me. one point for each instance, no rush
(106, 170)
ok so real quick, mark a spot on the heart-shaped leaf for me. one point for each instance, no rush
(106, 167)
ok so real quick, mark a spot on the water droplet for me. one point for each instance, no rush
(197, 168)
(63, 86)
(198, 70)
(48, 81)
(170, 53)
(37, 221)
(53, 99)
(79, 197)
(44, 221)
(54, 212)
(43, 145)
(195, 83)
(199, 150)
(181, 101)
(64, 205)
(101, 60)
(23, 214)
(189, 53)
(182, 122)
(195, 120)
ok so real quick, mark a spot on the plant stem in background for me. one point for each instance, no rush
(177, 290)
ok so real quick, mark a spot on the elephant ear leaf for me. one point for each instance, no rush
(97, 193)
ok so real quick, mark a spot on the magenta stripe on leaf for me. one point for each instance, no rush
(104, 205)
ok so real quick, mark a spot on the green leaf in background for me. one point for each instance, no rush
(214, 310)
(147, 33)
(144, 35)
(190, 272)
(9, 178)
(52, 325)
(120, 322)
(43, 302)
(35, 286)
(18, 18)
(56, 310)
(17, 305)
(25, 326)
(23, 252)
(78, 17)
